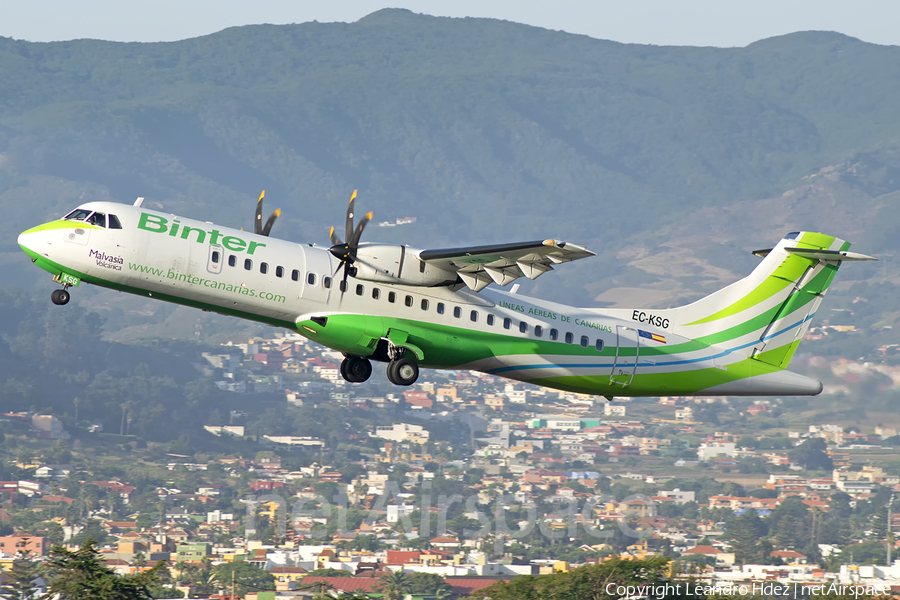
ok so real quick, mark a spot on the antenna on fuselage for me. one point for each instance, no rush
(139, 201)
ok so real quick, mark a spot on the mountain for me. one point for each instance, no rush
(670, 162)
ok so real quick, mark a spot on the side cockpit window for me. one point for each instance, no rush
(114, 222)
(98, 219)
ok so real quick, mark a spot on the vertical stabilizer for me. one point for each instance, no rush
(766, 314)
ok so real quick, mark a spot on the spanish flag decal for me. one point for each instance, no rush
(652, 336)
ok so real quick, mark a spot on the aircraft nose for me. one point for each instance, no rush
(23, 239)
(28, 241)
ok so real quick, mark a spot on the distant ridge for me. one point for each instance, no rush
(484, 130)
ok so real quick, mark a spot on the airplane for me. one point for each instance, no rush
(441, 309)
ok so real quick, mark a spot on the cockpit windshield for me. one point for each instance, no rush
(79, 214)
(94, 218)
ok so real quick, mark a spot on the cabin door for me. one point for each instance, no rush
(628, 348)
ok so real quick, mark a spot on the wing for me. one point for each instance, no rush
(479, 266)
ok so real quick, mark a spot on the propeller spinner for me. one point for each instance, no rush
(346, 251)
(258, 226)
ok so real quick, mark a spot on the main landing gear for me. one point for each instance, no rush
(356, 369)
(60, 297)
(402, 371)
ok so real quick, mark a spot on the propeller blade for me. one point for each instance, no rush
(344, 280)
(354, 241)
(348, 226)
(268, 226)
(334, 238)
(257, 222)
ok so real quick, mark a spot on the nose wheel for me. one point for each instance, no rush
(356, 369)
(59, 297)
(402, 371)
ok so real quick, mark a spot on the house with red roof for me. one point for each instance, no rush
(444, 542)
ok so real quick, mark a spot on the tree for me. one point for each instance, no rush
(879, 523)
(427, 583)
(18, 583)
(82, 574)
(811, 455)
(743, 535)
(394, 585)
(592, 581)
(247, 577)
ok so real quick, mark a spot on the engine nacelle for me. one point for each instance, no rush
(390, 263)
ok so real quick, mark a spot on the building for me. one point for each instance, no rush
(191, 552)
(49, 427)
(34, 545)
(709, 450)
(677, 495)
(402, 432)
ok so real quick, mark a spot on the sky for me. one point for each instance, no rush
(720, 23)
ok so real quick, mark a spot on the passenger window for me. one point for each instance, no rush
(490, 319)
(263, 268)
(507, 323)
(232, 260)
(98, 219)
(538, 331)
(440, 308)
(311, 278)
(424, 304)
(326, 283)
(408, 301)
(248, 264)
(392, 297)
(114, 222)
(279, 271)
(376, 293)
(295, 274)
(569, 337)
(457, 312)
(523, 327)
(360, 290)
(554, 334)
(599, 345)
(473, 316)
(584, 341)
(343, 286)
(215, 256)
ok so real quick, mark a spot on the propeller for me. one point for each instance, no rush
(346, 251)
(258, 227)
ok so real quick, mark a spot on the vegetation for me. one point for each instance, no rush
(20, 582)
(82, 574)
(598, 581)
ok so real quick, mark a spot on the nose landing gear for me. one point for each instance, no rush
(60, 297)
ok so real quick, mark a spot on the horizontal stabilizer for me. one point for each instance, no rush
(816, 254)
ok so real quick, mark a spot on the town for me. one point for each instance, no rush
(461, 481)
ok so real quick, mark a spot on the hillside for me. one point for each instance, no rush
(671, 162)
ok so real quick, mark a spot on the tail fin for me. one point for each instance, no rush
(766, 314)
